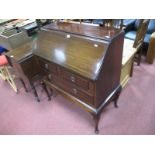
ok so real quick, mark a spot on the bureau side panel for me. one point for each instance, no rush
(109, 76)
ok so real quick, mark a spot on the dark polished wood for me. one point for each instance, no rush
(105, 33)
(26, 67)
(78, 62)
(74, 53)
(84, 69)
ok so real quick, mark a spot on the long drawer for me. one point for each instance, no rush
(77, 80)
(71, 89)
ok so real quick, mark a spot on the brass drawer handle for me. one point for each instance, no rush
(74, 91)
(72, 78)
(46, 66)
(49, 76)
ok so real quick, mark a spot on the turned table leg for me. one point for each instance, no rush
(45, 88)
(54, 92)
(35, 92)
(23, 83)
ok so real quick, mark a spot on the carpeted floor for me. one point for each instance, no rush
(21, 114)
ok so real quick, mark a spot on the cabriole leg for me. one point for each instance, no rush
(116, 99)
(115, 103)
(96, 119)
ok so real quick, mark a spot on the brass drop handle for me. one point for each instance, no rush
(74, 91)
(72, 78)
(49, 76)
(46, 66)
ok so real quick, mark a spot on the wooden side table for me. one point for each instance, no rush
(127, 61)
(26, 67)
(151, 50)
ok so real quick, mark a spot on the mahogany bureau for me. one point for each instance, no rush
(84, 68)
(82, 63)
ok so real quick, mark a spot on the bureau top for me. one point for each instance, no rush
(106, 33)
(22, 52)
(82, 55)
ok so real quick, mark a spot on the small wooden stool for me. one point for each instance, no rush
(5, 74)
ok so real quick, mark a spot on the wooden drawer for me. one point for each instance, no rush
(71, 89)
(48, 66)
(77, 80)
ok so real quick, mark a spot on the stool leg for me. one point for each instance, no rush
(2, 73)
(10, 79)
(45, 88)
(35, 92)
(23, 85)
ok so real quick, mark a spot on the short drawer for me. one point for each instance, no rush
(73, 78)
(49, 66)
